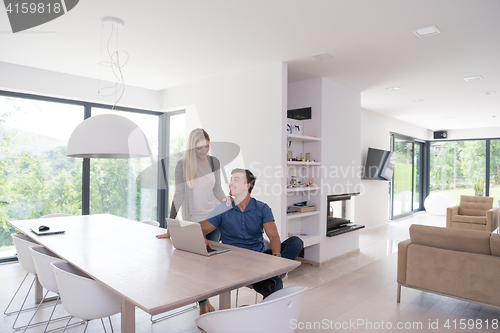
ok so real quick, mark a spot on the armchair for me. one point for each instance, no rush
(473, 213)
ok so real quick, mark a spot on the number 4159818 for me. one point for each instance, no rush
(471, 324)
(33, 7)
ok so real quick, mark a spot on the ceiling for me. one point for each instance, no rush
(371, 41)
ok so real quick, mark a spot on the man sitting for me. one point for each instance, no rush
(242, 224)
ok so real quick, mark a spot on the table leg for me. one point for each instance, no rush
(225, 300)
(38, 291)
(128, 317)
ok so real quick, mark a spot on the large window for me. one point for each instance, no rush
(458, 168)
(494, 189)
(113, 185)
(176, 151)
(36, 177)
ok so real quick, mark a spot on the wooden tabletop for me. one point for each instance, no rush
(150, 273)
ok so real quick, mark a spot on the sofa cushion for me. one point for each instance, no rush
(474, 206)
(469, 219)
(495, 244)
(473, 241)
(467, 275)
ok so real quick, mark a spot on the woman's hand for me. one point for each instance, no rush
(166, 235)
(228, 200)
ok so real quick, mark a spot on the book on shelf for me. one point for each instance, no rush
(303, 209)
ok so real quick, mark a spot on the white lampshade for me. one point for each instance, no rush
(107, 136)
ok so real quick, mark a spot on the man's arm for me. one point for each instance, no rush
(273, 235)
(207, 228)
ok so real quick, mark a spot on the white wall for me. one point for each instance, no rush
(474, 133)
(372, 206)
(35, 81)
(340, 153)
(245, 109)
(341, 137)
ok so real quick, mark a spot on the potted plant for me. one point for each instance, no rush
(478, 185)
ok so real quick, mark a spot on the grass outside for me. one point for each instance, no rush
(454, 195)
(7, 248)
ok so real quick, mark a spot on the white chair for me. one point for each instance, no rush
(55, 215)
(42, 259)
(274, 314)
(152, 223)
(22, 244)
(83, 297)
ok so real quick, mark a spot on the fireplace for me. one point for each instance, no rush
(338, 218)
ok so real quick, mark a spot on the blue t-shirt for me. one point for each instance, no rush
(242, 229)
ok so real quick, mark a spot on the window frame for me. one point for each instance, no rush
(163, 146)
(487, 161)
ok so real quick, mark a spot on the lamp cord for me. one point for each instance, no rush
(116, 68)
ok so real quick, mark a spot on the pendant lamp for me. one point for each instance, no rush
(107, 136)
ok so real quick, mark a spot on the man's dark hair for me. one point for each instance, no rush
(250, 177)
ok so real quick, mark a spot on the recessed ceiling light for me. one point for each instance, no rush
(322, 56)
(473, 78)
(427, 31)
(393, 88)
(487, 93)
(419, 100)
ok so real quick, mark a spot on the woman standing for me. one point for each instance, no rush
(197, 188)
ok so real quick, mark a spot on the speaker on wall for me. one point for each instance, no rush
(440, 134)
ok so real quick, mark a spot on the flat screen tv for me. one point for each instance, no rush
(379, 164)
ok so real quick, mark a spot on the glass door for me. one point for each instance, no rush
(417, 176)
(402, 181)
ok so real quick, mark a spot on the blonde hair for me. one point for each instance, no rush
(189, 159)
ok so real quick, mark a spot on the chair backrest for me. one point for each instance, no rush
(83, 297)
(55, 215)
(274, 314)
(474, 206)
(42, 259)
(153, 223)
(23, 244)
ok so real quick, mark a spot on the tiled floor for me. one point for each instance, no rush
(375, 244)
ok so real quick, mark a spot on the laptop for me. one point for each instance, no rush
(47, 232)
(187, 236)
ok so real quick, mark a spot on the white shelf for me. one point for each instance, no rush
(299, 215)
(302, 137)
(302, 163)
(310, 240)
(302, 189)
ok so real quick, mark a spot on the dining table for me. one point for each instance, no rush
(149, 273)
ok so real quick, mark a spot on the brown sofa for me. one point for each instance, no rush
(473, 213)
(463, 264)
